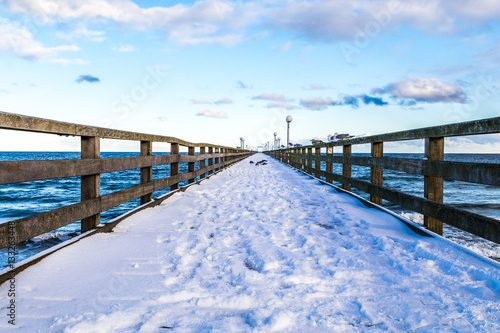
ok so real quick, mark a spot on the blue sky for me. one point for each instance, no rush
(215, 70)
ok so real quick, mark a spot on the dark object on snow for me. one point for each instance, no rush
(263, 162)
(251, 162)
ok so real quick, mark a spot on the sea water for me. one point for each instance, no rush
(25, 199)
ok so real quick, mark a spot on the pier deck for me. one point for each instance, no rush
(261, 248)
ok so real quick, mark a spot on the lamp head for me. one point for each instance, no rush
(289, 119)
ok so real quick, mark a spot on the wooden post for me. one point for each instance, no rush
(91, 185)
(317, 164)
(329, 165)
(147, 172)
(309, 161)
(202, 162)
(433, 186)
(377, 175)
(191, 165)
(211, 159)
(303, 159)
(346, 168)
(174, 167)
(217, 159)
(223, 158)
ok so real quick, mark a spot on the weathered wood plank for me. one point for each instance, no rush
(12, 172)
(40, 125)
(483, 126)
(346, 167)
(433, 186)
(146, 172)
(210, 159)
(317, 164)
(202, 161)
(329, 165)
(191, 165)
(91, 184)
(35, 225)
(480, 173)
(376, 174)
(174, 167)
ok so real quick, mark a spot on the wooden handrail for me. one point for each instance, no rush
(91, 166)
(40, 125)
(433, 168)
(476, 127)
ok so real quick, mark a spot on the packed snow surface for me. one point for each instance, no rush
(259, 249)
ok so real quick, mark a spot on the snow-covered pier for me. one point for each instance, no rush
(259, 248)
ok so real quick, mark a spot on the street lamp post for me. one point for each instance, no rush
(288, 121)
(274, 144)
(242, 143)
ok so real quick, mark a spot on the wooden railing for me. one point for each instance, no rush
(91, 166)
(433, 168)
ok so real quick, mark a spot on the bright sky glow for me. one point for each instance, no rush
(217, 70)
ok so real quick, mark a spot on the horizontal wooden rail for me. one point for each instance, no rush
(39, 125)
(476, 127)
(25, 171)
(481, 173)
(35, 225)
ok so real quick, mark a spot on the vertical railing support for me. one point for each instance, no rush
(317, 164)
(329, 165)
(217, 159)
(346, 168)
(223, 158)
(174, 167)
(191, 165)
(433, 186)
(211, 159)
(202, 162)
(309, 160)
(147, 172)
(91, 185)
(377, 175)
(303, 160)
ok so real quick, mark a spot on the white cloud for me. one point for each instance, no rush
(226, 22)
(63, 61)
(316, 103)
(206, 21)
(271, 97)
(212, 113)
(200, 101)
(224, 100)
(283, 47)
(281, 105)
(425, 90)
(86, 34)
(20, 41)
(125, 48)
(316, 86)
